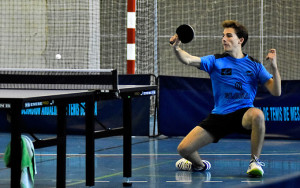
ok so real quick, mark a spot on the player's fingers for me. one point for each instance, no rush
(173, 39)
(272, 51)
(271, 54)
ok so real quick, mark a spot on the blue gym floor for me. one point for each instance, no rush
(153, 163)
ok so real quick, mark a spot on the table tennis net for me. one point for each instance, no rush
(59, 79)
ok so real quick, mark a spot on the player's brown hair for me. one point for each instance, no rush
(240, 30)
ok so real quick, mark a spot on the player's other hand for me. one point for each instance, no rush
(174, 40)
(272, 57)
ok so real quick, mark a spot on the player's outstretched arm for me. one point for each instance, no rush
(273, 85)
(182, 55)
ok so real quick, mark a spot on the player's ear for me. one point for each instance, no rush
(241, 40)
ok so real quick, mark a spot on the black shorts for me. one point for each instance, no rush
(221, 125)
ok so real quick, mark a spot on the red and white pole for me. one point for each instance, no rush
(131, 22)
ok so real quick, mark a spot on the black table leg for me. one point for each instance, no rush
(16, 153)
(90, 142)
(61, 146)
(127, 123)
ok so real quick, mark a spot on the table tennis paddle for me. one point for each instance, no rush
(185, 33)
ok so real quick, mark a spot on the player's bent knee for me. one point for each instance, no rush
(258, 116)
(183, 151)
(180, 149)
(258, 119)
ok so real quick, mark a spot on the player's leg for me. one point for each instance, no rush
(254, 119)
(188, 148)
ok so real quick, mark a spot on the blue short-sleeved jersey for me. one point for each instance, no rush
(234, 81)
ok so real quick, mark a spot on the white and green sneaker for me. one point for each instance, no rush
(255, 168)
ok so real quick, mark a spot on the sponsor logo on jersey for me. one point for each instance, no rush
(226, 71)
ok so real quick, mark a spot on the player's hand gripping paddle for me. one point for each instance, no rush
(185, 33)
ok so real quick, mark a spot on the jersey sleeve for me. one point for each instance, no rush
(263, 74)
(207, 63)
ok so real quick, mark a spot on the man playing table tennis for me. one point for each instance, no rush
(235, 77)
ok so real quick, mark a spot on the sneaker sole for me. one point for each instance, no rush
(255, 173)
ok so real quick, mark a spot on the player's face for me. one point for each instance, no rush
(230, 40)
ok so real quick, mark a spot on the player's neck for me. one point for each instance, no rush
(238, 54)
